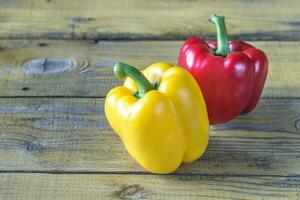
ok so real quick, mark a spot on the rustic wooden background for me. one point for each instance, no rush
(56, 61)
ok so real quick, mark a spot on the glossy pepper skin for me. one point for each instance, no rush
(160, 115)
(231, 74)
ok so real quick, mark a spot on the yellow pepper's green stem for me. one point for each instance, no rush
(222, 36)
(123, 70)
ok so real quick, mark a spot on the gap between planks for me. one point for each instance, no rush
(103, 97)
(143, 173)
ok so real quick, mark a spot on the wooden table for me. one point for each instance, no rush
(56, 61)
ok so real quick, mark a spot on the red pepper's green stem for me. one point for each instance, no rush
(123, 70)
(222, 37)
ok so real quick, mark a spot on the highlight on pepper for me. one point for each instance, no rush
(231, 74)
(159, 114)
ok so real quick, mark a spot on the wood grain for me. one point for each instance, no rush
(55, 142)
(84, 68)
(107, 186)
(142, 19)
(72, 135)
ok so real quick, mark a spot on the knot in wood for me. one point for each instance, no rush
(47, 65)
(34, 146)
(134, 191)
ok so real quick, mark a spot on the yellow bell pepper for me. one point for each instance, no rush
(160, 115)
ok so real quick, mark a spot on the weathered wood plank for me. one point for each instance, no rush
(142, 19)
(50, 134)
(83, 68)
(108, 186)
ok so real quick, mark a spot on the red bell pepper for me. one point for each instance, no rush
(231, 74)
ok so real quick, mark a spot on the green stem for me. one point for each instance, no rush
(222, 36)
(123, 70)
